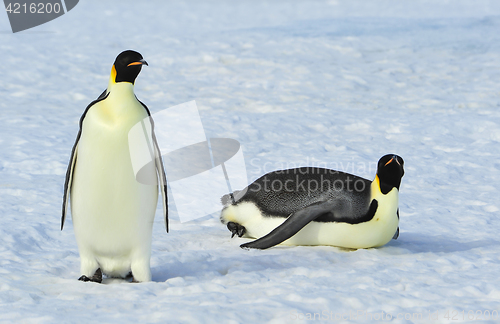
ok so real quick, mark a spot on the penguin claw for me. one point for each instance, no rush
(236, 229)
(97, 277)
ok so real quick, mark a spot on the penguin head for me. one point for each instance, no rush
(127, 66)
(390, 171)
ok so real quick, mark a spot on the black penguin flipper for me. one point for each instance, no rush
(291, 226)
(163, 179)
(72, 160)
(159, 167)
(69, 179)
(102, 96)
(396, 235)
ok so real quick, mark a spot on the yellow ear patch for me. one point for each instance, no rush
(113, 74)
(135, 63)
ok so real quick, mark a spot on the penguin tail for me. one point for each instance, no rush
(232, 198)
(227, 199)
(293, 224)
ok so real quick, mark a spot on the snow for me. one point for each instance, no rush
(331, 83)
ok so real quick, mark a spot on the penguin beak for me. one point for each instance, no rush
(140, 62)
(394, 158)
(388, 162)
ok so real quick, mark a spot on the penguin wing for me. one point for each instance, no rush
(396, 235)
(159, 167)
(292, 225)
(69, 179)
(163, 179)
(299, 219)
(72, 160)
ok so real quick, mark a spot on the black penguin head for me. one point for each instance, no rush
(390, 171)
(127, 66)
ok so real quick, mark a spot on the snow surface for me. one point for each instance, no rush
(339, 83)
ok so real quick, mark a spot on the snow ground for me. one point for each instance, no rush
(334, 82)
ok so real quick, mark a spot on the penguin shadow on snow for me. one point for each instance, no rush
(205, 266)
(421, 243)
(113, 281)
(287, 257)
(220, 265)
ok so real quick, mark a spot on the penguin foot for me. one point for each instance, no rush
(97, 277)
(236, 229)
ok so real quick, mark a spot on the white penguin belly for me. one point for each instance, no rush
(112, 213)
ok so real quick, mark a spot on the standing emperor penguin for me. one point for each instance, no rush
(112, 212)
(316, 206)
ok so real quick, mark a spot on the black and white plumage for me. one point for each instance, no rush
(316, 206)
(112, 212)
